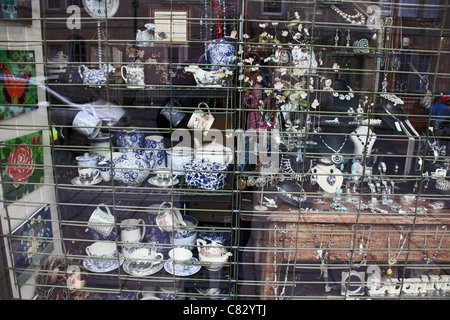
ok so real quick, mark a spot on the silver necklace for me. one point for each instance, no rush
(435, 254)
(336, 157)
(323, 258)
(363, 245)
(292, 230)
(342, 96)
(353, 19)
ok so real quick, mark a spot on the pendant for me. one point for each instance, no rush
(331, 180)
(392, 261)
(337, 158)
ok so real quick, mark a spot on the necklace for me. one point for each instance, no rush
(323, 258)
(363, 245)
(336, 157)
(392, 261)
(342, 96)
(292, 230)
(435, 254)
(353, 19)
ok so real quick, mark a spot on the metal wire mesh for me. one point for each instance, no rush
(348, 98)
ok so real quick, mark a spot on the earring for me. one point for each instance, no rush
(336, 38)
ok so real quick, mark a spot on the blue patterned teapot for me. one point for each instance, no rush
(131, 168)
(95, 77)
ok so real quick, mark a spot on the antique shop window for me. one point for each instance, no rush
(225, 150)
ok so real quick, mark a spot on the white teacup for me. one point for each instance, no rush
(102, 249)
(165, 176)
(180, 254)
(88, 175)
(144, 257)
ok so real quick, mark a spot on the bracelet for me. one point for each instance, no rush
(442, 184)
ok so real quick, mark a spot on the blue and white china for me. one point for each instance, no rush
(177, 157)
(134, 76)
(144, 257)
(105, 165)
(131, 269)
(212, 255)
(87, 160)
(182, 269)
(221, 53)
(132, 230)
(131, 169)
(205, 78)
(130, 140)
(103, 257)
(78, 182)
(102, 220)
(101, 144)
(154, 150)
(157, 183)
(106, 266)
(88, 175)
(173, 113)
(185, 237)
(203, 173)
(95, 77)
(87, 123)
(222, 237)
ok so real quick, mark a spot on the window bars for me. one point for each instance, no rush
(226, 150)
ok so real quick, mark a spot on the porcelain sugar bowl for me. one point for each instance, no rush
(212, 255)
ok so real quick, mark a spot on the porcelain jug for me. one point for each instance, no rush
(102, 221)
(169, 217)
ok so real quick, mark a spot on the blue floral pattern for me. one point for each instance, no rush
(221, 53)
(205, 174)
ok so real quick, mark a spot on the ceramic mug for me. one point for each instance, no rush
(132, 230)
(134, 78)
(154, 150)
(173, 113)
(87, 124)
(201, 120)
(88, 175)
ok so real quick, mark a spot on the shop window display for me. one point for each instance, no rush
(228, 150)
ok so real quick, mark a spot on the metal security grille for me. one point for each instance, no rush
(223, 150)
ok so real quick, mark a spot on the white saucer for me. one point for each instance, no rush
(182, 270)
(76, 181)
(154, 181)
(128, 268)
